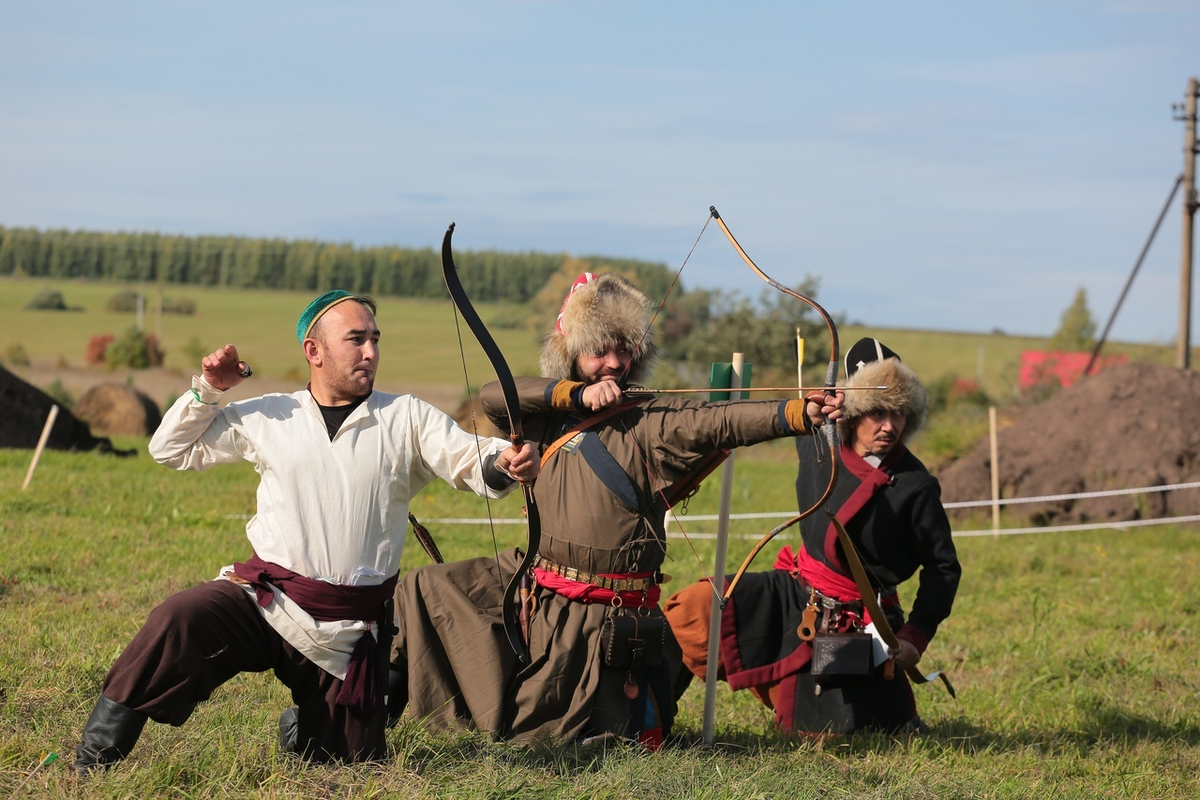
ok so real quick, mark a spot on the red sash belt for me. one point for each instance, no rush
(825, 580)
(590, 593)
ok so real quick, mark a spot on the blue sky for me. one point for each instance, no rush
(947, 165)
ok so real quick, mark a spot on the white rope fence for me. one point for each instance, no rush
(1118, 525)
(1080, 495)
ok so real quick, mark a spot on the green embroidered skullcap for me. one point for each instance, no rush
(317, 307)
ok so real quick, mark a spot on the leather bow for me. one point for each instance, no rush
(829, 428)
(871, 604)
(510, 603)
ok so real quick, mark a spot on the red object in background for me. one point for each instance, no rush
(96, 347)
(1041, 366)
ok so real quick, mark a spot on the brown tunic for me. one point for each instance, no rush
(602, 511)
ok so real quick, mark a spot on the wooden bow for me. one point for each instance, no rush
(829, 428)
(510, 603)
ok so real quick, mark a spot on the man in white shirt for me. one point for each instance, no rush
(338, 464)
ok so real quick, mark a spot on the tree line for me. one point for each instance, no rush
(693, 327)
(299, 265)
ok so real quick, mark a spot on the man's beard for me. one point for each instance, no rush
(353, 386)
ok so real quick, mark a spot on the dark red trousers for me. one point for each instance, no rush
(203, 636)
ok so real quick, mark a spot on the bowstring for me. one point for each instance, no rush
(667, 294)
(659, 489)
(656, 482)
(462, 354)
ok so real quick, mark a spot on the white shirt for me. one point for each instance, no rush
(335, 510)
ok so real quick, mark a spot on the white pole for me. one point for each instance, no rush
(995, 470)
(714, 620)
(41, 445)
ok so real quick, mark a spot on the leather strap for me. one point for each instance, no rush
(873, 609)
(590, 422)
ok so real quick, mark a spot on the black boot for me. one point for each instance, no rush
(397, 695)
(289, 730)
(110, 733)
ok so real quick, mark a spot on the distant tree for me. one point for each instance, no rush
(545, 305)
(683, 314)
(764, 332)
(1077, 331)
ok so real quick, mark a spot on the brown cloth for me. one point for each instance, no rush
(602, 512)
(201, 637)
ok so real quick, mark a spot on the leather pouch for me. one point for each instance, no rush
(632, 640)
(841, 654)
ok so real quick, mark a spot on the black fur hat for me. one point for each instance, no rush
(870, 363)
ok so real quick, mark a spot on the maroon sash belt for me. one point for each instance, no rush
(362, 689)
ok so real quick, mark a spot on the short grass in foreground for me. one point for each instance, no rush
(1073, 654)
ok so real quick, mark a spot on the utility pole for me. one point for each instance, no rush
(1187, 114)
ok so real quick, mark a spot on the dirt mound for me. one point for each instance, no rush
(23, 412)
(115, 409)
(1130, 426)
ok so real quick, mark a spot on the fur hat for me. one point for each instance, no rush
(600, 311)
(905, 393)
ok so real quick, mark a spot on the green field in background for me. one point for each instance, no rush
(420, 339)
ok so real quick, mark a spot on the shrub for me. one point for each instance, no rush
(179, 305)
(950, 391)
(951, 434)
(124, 301)
(15, 354)
(97, 346)
(47, 300)
(194, 352)
(61, 394)
(135, 350)
(967, 391)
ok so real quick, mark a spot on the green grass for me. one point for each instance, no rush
(1073, 654)
(419, 339)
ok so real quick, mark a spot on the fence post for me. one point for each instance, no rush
(41, 445)
(995, 470)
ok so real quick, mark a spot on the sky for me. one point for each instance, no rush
(961, 165)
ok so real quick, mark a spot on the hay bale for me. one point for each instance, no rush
(114, 409)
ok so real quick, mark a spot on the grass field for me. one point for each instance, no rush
(1073, 654)
(420, 340)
